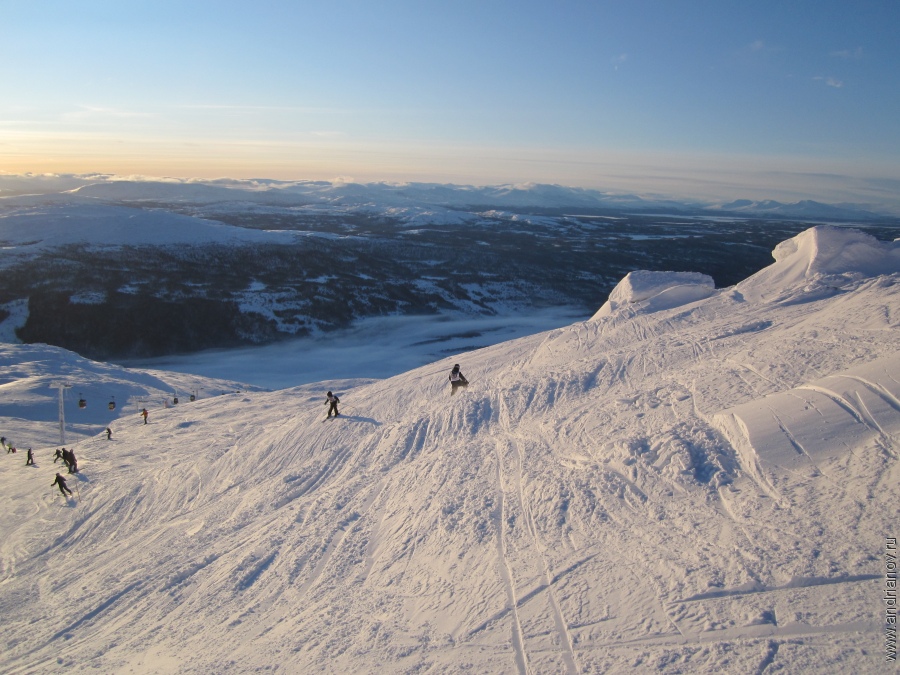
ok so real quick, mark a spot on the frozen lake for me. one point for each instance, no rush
(374, 348)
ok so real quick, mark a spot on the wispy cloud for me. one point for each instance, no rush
(262, 108)
(849, 54)
(85, 112)
(618, 60)
(762, 47)
(830, 81)
(329, 135)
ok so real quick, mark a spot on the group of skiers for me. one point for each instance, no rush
(68, 457)
(10, 448)
(457, 380)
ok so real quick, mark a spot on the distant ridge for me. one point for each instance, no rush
(806, 208)
(391, 195)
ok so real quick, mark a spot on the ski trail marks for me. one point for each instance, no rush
(96, 611)
(769, 658)
(518, 638)
(337, 538)
(755, 588)
(549, 577)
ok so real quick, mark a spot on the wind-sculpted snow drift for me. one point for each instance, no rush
(700, 485)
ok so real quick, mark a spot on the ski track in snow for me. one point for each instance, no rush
(695, 489)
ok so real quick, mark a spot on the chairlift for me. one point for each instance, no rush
(112, 403)
(192, 398)
(175, 400)
(81, 402)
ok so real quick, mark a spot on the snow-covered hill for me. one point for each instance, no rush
(694, 480)
(29, 224)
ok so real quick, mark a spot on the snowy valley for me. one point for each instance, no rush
(118, 270)
(696, 479)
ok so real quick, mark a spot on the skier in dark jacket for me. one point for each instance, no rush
(30, 458)
(108, 434)
(69, 458)
(333, 400)
(58, 455)
(63, 488)
(457, 379)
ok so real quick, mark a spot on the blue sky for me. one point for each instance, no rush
(703, 99)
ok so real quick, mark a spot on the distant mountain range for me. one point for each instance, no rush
(802, 209)
(404, 195)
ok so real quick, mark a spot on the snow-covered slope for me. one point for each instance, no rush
(29, 223)
(700, 486)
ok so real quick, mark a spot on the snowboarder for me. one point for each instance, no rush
(144, 414)
(333, 400)
(108, 434)
(59, 455)
(457, 379)
(63, 488)
(30, 459)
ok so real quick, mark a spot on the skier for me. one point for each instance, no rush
(69, 458)
(108, 434)
(59, 455)
(457, 379)
(333, 400)
(63, 488)
(30, 459)
(144, 414)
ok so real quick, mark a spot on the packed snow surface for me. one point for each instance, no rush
(699, 487)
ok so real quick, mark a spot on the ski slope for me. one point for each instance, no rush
(695, 480)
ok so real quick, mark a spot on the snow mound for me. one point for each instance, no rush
(823, 256)
(786, 438)
(645, 292)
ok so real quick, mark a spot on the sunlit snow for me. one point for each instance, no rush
(704, 484)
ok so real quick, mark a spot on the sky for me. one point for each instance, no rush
(703, 99)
